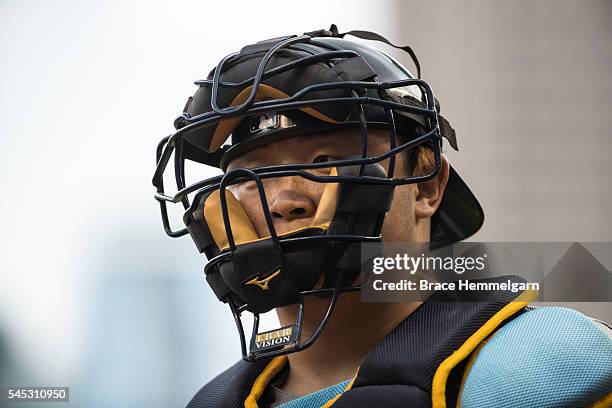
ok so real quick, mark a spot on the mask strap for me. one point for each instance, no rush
(367, 35)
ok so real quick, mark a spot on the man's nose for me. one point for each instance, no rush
(289, 204)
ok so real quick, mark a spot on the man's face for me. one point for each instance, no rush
(293, 201)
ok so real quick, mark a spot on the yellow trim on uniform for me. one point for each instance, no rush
(348, 387)
(438, 389)
(605, 402)
(263, 379)
(468, 367)
(269, 372)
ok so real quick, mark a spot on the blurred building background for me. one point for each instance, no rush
(92, 293)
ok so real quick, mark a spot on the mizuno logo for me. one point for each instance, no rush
(265, 282)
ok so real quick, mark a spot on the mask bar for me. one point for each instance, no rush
(334, 163)
(254, 356)
(261, 73)
(249, 355)
(363, 127)
(392, 142)
(435, 125)
(162, 155)
(160, 147)
(179, 170)
(239, 326)
(296, 170)
(264, 204)
(255, 325)
(328, 312)
(311, 59)
(286, 170)
(391, 170)
(293, 101)
(256, 82)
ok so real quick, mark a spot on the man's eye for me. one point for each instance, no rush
(322, 158)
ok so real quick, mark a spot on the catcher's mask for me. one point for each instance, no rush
(279, 88)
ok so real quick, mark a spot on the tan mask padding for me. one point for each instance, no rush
(327, 204)
(225, 127)
(242, 227)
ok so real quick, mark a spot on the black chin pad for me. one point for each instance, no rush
(257, 276)
(261, 278)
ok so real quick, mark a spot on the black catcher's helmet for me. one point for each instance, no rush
(276, 89)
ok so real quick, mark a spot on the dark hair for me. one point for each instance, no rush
(419, 158)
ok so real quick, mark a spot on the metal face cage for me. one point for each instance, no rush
(353, 171)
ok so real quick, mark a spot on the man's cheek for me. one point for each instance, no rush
(399, 221)
(259, 222)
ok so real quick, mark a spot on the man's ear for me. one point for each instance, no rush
(429, 193)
